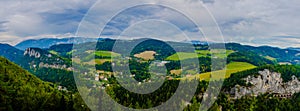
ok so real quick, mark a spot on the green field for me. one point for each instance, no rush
(270, 58)
(101, 61)
(53, 52)
(71, 52)
(182, 55)
(105, 54)
(198, 53)
(231, 68)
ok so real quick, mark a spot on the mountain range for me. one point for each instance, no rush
(57, 58)
(61, 49)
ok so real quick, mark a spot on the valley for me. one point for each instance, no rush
(57, 66)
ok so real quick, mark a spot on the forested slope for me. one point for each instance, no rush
(20, 90)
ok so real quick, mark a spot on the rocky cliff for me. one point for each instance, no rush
(266, 82)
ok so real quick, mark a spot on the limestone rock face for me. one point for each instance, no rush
(267, 82)
(39, 58)
(31, 52)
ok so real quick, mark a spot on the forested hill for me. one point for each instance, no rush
(271, 53)
(291, 48)
(45, 65)
(11, 52)
(20, 90)
(30, 55)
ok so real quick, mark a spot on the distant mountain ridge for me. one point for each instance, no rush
(63, 47)
(292, 48)
(48, 42)
(272, 53)
(10, 52)
(196, 42)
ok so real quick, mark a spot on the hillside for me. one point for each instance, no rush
(20, 90)
(287, 71)
(11, 52)
(231, 68)
(272, 88)
(37, 56)
(297, 49)
(47, 66)
(199, 53)
(30, 56)
(274, 53)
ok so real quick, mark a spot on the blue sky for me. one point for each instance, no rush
(253, 22)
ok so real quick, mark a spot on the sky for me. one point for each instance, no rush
(252, 22)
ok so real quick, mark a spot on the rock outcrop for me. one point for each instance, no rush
(43, 59)
(267, 82)
(32, 53)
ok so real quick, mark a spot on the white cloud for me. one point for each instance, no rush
(254, 22)
(257, 21)
(25, 18)
(9, 38)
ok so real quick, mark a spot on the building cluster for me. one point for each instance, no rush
(55, 66)
(61, 88)
(160, 63)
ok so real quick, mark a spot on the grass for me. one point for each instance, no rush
(106, 54)
(270, 58)
(91, 62)
(71, 52)
(88, 59)
(232, 67)
(181, 56)
(97, 61)
(147, 55)
(101, 61)
(76, 60)
(176, 72)
(53, 52)
(198, 53)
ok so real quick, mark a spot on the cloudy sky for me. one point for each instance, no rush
(253, 22)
